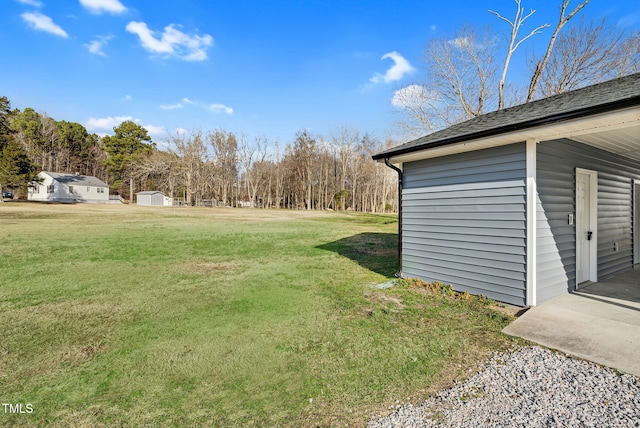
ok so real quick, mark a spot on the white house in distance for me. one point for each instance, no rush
(69, 188)
(153, 198)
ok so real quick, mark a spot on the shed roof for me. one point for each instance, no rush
(76, 180)
(604, 97)
(150, 192)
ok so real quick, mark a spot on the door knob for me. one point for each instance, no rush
(589, 235)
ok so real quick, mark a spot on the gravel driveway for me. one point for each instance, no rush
(530, 387)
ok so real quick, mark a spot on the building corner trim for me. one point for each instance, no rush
(531, 207)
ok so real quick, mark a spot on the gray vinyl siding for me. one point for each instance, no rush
(464, 222)
(556, 240)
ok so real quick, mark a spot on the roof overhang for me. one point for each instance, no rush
(614, 131)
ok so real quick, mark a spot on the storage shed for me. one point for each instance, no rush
(153, 198)
(526, 203)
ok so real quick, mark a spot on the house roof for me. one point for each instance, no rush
(604, 97)
(76, 180)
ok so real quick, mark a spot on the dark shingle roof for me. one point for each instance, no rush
(77, 180)
(606, 96)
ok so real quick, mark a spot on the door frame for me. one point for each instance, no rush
(593, 224)
(636, 221)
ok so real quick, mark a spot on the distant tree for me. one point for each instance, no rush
(587, 54)
(462, 78)
(77, 148)
(344, 144)
(16, 169)
(225, 158)
(193, 166)
(302, 156)
(324, 176)
(158, 171)
(129, 143)
(514, 43)
(630, 63)
(52, 149)
(252, 159)
(5, 116)
(28, 132)
(461, 82)
(57, 146)
(542, 64)
(276, 177)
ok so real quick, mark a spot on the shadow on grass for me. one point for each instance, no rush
(377, 252)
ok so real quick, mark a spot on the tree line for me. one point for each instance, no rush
(212, 168)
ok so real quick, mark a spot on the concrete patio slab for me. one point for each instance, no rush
(623, 289)
(594, 326)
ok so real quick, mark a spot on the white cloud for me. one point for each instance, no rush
(99, 6)
(214, 107)
(154, 130)
(171, 106)
(43, 23)
(171, 42)
(412, 96)
(433, 28)
(110, 122)
(105, 123)
(180, 131)
(95, 46)
(34, 3)
(128, 97)
(400, 67)
(219, 108)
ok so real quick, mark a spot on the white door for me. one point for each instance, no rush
(586, 221)
(636, 222)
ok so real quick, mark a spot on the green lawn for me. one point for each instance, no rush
(136, 316)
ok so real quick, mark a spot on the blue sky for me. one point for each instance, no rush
(265, 68)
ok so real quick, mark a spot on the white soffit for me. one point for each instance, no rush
(617, 132)
(624, 141)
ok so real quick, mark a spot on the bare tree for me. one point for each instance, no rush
(276, 175)
(225, 159)
(461, 82)
(344, 142)
(541, 65)
(630, 63)
(462, 79)
(252, 159)
(588, 54)
(158, 171)
(52, 146)
(193, 164)
(514, 43)
(463, 70)
(302, 156)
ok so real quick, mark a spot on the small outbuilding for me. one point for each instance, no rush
(526, 203)
(69, 188)
(153, 198)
